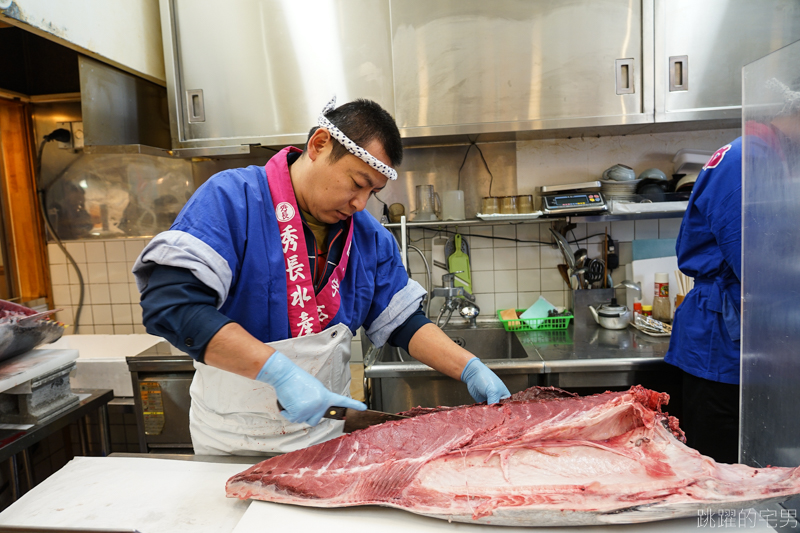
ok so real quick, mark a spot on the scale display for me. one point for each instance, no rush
(573, 202)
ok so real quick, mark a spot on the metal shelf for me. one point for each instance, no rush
(626, 216)
(468, 222)
(578, 219)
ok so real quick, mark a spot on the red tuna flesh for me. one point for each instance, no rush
(608, 458)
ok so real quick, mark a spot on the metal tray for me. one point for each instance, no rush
(518, 217)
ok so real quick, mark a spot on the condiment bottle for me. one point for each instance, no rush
(637, 308)
(661, 305)
(647, 310)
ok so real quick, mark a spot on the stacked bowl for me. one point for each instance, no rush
(619, 183)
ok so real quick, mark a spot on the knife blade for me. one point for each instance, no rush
(354, 419)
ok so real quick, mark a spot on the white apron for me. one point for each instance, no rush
(231, 414)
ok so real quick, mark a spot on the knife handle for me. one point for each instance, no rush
(333, 412)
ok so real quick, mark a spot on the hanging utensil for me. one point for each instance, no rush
(566, 251)
(578, 275)
(458, 262)
(594, 270)
(564, 271)
(580, 257)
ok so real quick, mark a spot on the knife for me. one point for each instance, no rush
(354, 419)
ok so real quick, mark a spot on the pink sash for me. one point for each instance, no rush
(308, 313)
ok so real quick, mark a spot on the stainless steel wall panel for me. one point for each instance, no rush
(267, 67)
(119, 108)
(465, 66)
(440, 167)
(718, 37)
(770, 283)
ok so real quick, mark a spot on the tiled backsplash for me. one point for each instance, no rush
(507, 274)
(111, 300)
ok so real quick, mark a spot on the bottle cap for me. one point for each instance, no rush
(647, 308)
(661, 277)
(637, 306)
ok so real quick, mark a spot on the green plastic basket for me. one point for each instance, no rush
(534, 324)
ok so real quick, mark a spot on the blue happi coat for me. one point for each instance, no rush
(705, 335)
(227, 235)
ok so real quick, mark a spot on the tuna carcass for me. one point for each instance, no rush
(22, 329)
(602, 459)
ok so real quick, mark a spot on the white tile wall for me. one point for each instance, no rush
(646, 229)
(668, 228)
(505, 274)
(111, 300)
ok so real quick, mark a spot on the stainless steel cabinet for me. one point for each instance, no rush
(701, 47)
(260, 71)
(469, 66)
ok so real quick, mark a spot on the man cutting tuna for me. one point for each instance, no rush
(267, 273)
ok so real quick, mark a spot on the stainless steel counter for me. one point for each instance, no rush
(584, 358)
(576, 349)
(592, 348)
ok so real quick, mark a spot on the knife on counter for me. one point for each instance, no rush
(355, 420)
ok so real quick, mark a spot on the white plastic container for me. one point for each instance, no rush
(689, 159)
(453, 205)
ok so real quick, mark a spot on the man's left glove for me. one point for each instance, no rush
(482, 383)
(303, 397)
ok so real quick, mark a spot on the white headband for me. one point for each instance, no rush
(352, 147)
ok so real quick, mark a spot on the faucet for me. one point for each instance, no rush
(456, 298)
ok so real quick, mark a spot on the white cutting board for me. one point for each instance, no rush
(644, 270)
(267, 516)
(31, 365)
(151, 495)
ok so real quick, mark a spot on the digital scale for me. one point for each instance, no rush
(572, 198)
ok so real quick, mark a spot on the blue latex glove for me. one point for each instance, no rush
(482, 383)
(303, 397)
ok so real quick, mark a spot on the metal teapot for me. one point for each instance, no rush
(612, 315)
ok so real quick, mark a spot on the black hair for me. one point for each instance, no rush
(364, 121)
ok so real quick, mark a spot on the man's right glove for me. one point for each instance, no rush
(303, 397)
(482, 383)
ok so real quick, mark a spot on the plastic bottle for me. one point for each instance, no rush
(661, 305)
(647, 310)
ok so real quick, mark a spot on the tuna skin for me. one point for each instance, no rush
(22, 329)
(607, 458)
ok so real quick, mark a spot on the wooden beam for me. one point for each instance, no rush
(24, 231)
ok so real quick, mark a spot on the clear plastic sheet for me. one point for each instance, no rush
(116, 195)
(770, 366)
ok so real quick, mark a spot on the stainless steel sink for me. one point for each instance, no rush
(583, 358)
(394, 381)
(483, 342)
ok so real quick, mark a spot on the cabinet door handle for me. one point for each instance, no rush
(195, 109)
(679, 73)
(625, 79)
